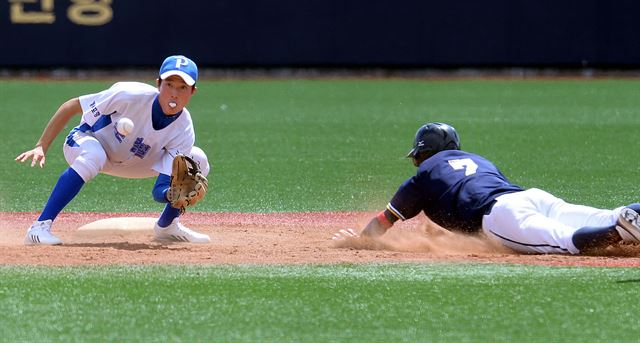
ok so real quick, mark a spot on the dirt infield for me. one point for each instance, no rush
(280, 238)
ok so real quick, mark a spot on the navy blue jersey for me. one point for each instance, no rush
(454, 188)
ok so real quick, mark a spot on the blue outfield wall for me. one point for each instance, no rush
(345, 33)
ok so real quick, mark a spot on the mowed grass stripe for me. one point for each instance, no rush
(389, 302)
(324, 145)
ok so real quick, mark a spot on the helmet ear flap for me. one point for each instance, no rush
(419, 157)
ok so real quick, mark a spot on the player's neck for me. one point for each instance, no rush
(159, 119)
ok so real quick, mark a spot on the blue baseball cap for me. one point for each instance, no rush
(181, 66)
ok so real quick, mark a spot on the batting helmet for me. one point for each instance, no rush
(432, 138)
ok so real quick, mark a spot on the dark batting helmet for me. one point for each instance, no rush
(432, 138)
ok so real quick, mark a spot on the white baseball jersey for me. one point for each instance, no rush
(144, 152)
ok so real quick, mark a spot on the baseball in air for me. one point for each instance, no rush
(124, 126)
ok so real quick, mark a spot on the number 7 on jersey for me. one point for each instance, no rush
(467, 164)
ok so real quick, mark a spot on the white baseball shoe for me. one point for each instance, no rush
(628, 225)
(40, 234)
(179, 233)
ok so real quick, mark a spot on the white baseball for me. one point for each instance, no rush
(124, 126)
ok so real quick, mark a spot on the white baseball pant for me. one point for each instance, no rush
(534, 221)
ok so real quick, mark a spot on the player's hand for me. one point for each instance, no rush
(349, 238)
(36, 155)
(345, 234)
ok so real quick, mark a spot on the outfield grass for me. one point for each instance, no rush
(305, 145)
(345, 303)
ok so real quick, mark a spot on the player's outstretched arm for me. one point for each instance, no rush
(51, 131)
(377, 226)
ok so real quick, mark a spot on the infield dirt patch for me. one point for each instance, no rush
(276, 238)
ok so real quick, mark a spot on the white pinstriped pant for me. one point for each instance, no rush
(534, 221)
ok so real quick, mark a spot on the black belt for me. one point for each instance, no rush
(487, 209)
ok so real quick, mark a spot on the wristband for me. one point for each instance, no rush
(383, 220)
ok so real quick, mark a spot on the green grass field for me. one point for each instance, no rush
(366, 303)
(319, 145)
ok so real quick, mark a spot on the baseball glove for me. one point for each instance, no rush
(188, 185)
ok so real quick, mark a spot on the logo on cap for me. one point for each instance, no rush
(181, 66)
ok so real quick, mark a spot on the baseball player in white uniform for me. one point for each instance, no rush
(162, 128)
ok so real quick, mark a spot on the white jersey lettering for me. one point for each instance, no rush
(467, 164)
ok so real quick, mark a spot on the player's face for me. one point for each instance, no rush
(174, 92)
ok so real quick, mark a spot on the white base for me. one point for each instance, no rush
(119, 225)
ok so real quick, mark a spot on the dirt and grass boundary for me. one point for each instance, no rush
(271, 238)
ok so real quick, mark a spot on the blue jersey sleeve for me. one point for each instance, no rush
(408, 200)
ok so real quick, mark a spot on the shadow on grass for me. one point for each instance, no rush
(629, 281)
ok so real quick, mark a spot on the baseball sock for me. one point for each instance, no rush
(168, 215)
(68, 185)
(161, 187)
(593, 237)
(635, 206)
